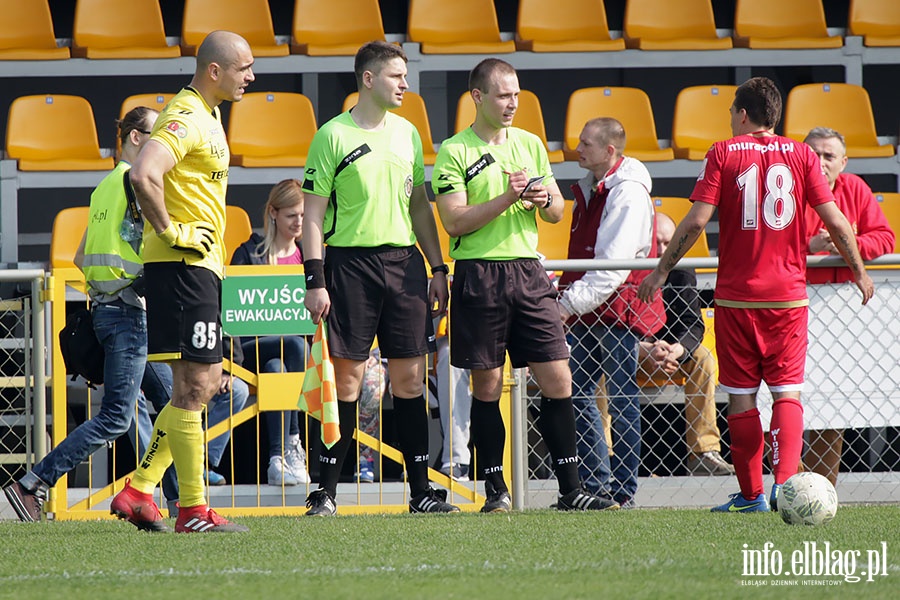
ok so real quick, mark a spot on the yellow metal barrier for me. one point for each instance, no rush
(274, 392)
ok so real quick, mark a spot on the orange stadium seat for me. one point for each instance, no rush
(54, 133)
(667, 25)
(335, 27)
(701, 118)
(237, 229)
(780, 24)
(271, 129)
(878, 21)
(553, 238)
(154, 101)
(26, 32)
(890, 206)
(413, 110)
(631, 106)
(565, 28)
(841, 106)
(529, 117)
(116, 29)
(676, 208)
(69, 226)
(458, 27)
(250, 18)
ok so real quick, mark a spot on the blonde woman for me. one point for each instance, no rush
(279, 245)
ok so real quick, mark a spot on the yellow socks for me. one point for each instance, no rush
(185, 431)
(157, 457)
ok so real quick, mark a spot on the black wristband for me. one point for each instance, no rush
(440, 269)
(314, 268)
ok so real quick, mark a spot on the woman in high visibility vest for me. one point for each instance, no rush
(110, 256)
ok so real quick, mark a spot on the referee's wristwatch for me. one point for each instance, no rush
(549, 201)
(440, 269)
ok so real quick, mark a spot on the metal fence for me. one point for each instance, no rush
(22, 372)
(853, 385)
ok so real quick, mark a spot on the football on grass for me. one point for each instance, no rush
(807, 499)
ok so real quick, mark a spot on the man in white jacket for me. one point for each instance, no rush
(613, 218)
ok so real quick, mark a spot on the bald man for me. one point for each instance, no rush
(180, 179)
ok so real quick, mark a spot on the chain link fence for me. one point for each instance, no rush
(678, 434)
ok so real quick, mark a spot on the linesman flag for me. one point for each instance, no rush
(318, 398)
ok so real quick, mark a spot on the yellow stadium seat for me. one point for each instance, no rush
(116, 29)
(26, 31)
(529, 117)
(250, 18)
(553, 238)
(565, 28)
(413, 110)
(237, 229)
(631, 106)
(676, 208)
(878, 21)
(271, 129)
(69, 226)
(841, 106)
(335, 27)
(783, 25)
(667, 25)
(701, 118)
(458, 27)
(890, 206)
(54, 133)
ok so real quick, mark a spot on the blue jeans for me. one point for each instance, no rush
(269, 352)
(157, 387)
(611, 351)
(122, 331)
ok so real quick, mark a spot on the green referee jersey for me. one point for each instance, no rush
(466, 163)
(368, 177)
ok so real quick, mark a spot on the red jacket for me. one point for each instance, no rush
(623, 307)
(873, 233)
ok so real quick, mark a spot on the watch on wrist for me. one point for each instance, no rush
(440, 269)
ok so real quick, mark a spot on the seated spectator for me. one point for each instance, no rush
(279, 245)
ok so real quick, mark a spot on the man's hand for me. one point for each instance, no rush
(438, 294)
(225, 385)
(650, 285)
(196, 237)
(865, 285)
(318, 303)
(821, 242)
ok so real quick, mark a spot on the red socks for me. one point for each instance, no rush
(786, 430)
(747, 446)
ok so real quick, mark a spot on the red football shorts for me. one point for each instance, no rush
(761, 344)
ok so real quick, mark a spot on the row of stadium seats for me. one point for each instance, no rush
(114, 29)
(274, 129)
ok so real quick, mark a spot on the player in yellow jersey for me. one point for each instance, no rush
(180, 179)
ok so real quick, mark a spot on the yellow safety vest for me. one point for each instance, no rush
(112, 263)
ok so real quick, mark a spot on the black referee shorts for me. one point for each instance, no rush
(500, 306)
(379, 291)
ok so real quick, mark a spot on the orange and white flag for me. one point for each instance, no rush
(318, 398)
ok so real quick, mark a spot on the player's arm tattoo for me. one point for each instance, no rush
(681, 246)
(855, 266)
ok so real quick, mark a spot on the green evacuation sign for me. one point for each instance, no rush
(256, 305)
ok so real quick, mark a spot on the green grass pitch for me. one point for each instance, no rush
(651, 554)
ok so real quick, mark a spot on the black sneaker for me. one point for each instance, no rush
(499, 502)
(27, 504)
(320, 504)
(432, 501)
(580, 500)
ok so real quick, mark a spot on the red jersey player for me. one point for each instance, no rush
(761, 184)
